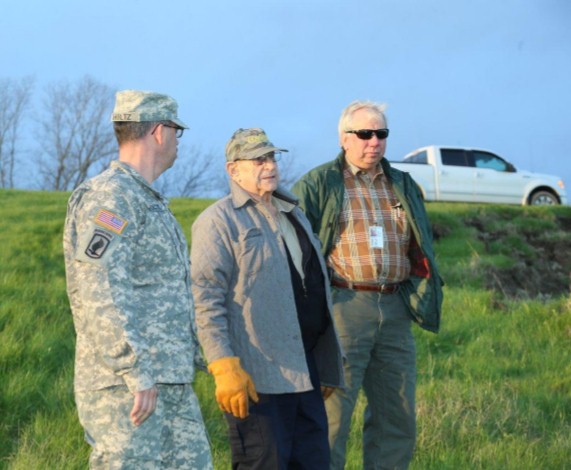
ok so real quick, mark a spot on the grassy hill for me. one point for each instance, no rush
(494, 387)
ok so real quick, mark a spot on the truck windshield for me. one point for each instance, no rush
(419, 157)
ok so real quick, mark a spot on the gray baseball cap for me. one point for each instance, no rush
(141, 106)
(247, 144)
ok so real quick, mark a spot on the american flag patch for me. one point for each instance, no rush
(110, 221)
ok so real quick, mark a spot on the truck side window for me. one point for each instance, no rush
(454, 157)
(489, 160)
(420, 157)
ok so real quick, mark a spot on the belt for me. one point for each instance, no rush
(383, 288)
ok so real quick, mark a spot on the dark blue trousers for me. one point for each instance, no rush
(282, 431)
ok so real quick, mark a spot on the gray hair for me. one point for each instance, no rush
(372, 108)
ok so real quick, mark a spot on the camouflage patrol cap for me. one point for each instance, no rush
(247, 144)
(141, 106)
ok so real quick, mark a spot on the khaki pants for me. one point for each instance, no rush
(375, 333)
(173, 437)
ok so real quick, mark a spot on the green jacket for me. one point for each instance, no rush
(321, 191)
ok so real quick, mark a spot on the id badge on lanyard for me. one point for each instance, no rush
(376, 236)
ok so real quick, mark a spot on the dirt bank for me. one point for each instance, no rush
(542, 262)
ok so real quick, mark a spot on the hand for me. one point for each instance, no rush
(233, 386)
(145, 404)
(326, 391)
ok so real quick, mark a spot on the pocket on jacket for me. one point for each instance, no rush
(251, 256)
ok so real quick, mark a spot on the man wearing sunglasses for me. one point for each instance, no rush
(128, 282)
(377, 241)
(263, 311)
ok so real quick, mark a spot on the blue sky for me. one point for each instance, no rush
(485, 73)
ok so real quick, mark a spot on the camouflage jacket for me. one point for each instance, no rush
(128, 282)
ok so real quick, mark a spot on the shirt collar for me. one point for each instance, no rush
(282, 205)
(355, 171)
(239, 196)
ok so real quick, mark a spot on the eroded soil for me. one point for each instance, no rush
(543, 269)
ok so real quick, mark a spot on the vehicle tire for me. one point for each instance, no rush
(543, 198)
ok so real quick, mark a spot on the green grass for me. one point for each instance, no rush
(494, 386)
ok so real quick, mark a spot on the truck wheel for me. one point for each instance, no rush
(543, 198)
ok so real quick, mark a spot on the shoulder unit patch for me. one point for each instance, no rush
(98, 244)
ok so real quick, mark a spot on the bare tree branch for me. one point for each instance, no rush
(289, 170)
(14, 100)
(76, 136)
(195, 174)
(198, 174)
(203, 174)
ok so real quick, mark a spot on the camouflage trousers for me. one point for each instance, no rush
(173, 437)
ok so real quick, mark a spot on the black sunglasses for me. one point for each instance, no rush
(367, 134)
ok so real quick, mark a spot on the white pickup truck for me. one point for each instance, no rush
(474, 175)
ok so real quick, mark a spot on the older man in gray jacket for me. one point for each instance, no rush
(263, 311)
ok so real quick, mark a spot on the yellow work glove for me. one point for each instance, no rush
(233, 386)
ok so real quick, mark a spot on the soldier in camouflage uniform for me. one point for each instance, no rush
(128, 281)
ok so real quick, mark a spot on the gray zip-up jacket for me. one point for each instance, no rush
(244, 300)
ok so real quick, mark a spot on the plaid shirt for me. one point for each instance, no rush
(369, 202)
